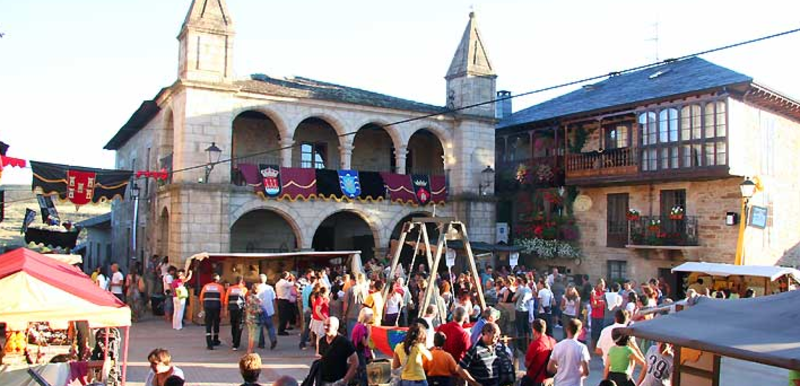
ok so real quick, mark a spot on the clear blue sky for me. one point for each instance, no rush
(72, 72)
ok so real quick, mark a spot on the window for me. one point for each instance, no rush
(617, 223)
(617, 270)
(617, 136)
(689, 136)
(313, 155)
(671, 199)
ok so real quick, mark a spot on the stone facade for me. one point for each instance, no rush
(190, 214)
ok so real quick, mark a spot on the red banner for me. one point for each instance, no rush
(80, 186)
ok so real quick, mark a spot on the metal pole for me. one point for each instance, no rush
(739, 260)
(125, 354)
(133, 227)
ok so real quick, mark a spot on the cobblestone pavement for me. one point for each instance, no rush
(220, 367)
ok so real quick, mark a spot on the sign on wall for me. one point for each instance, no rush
(758, 217)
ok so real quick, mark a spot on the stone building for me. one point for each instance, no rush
(301, 123)
(671, 142)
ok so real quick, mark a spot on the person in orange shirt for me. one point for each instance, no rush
(211, 299)
(442, 367)
(233, 305)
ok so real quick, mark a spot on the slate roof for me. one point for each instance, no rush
(674, 78)
(299, 87)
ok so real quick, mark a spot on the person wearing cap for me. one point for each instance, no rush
(489, 315)
(211, 299)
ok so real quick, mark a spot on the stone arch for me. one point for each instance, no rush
(345, 235)
(277, 119)
(395, 133)
(250, 230)
(255, 139)
(425, 152)
(162, 237)
(167, 137)
(441, 132)
(321, 136)
(287, 213)
(374, 148)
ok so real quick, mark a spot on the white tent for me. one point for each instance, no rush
(725, 270)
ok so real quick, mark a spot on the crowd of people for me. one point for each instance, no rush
(452, 339)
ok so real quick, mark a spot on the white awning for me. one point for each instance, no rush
(717, 269)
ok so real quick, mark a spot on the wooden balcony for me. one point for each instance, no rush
(612, 162)
(662, 232)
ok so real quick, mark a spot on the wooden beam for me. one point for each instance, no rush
(435, 220)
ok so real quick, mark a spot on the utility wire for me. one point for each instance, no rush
(495, 100)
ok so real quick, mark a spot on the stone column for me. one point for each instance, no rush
(286, 152)
(346, 156)
(400, 159)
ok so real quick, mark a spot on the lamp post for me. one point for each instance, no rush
(135, 197)
(487, 179)
(748, 189)
(213, 153)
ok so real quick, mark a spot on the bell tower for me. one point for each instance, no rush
(206, 43)
(471, 78)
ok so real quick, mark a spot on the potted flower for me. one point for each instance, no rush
(676, 213)
(632, 215)
(654, 225)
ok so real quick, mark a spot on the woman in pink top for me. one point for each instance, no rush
(180, 293)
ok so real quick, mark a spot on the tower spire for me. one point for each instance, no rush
(206, 42)
(471, 57)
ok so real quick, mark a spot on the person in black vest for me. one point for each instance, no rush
(234, 304)
(211, 299)
(339, 362)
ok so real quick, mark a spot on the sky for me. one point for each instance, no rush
(72, 72)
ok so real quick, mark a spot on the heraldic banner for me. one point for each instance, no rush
(270, 180)
(349, 183)
(422, 188)
(79, 185)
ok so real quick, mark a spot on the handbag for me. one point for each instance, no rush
(181, 292)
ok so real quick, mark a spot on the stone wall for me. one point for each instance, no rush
(255, 135)
(372, 150)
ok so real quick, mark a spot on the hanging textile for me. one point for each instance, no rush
(422, 188)
(79, 185)
(399, 188)
(10, 161)
(385, 339)
(438, 189)
(328, 185)
(349, 183)
(158, 175)
(66, 240)
(49, 212)
(298, 183)
(251, 175)
(372, 187)
(270, 180)
(30, 216)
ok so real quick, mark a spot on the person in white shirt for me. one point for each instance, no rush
(117, 282)
(614, 301)
(570, 358)
(551, 278)
(604, 344)
(267, 295)
(166, 281)
(546, 305)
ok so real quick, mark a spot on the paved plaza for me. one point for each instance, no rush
(220, 367)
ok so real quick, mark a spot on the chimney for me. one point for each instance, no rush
(503, 107)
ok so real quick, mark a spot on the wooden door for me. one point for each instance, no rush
(616, 224)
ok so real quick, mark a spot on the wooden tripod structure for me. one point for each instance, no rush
(449, 229)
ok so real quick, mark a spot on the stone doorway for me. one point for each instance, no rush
(263, 231)
(345, 231)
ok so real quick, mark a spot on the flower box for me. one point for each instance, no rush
(632, 217)
(676, 216)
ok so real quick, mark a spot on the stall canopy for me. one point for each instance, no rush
(763, 330)
(716, 269)
(37, 288)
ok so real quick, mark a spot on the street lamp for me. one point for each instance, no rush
(748, 188)
(487, 179)
(213, 153)
(135, 196)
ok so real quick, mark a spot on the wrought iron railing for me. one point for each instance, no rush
(663, 230)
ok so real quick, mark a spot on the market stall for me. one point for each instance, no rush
(37, 288)
(763, 279)
(761, 329)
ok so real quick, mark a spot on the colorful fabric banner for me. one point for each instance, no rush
(78, 184)
(158, 174)
(328, 185)
(298, 183)
(422, 188)
(30, 216)
(384, 339)
(349, 183)
(13, 162)
(251, 175)
(48, 209)
(270, 179)
(438, 189)
(399, 188)
(372, 187)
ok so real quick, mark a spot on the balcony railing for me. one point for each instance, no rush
(265, 159)
(663, 230)
(606, 163)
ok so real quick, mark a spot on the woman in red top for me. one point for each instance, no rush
(319, 312)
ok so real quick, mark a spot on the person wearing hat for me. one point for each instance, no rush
(211, 299)
(489, 315)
